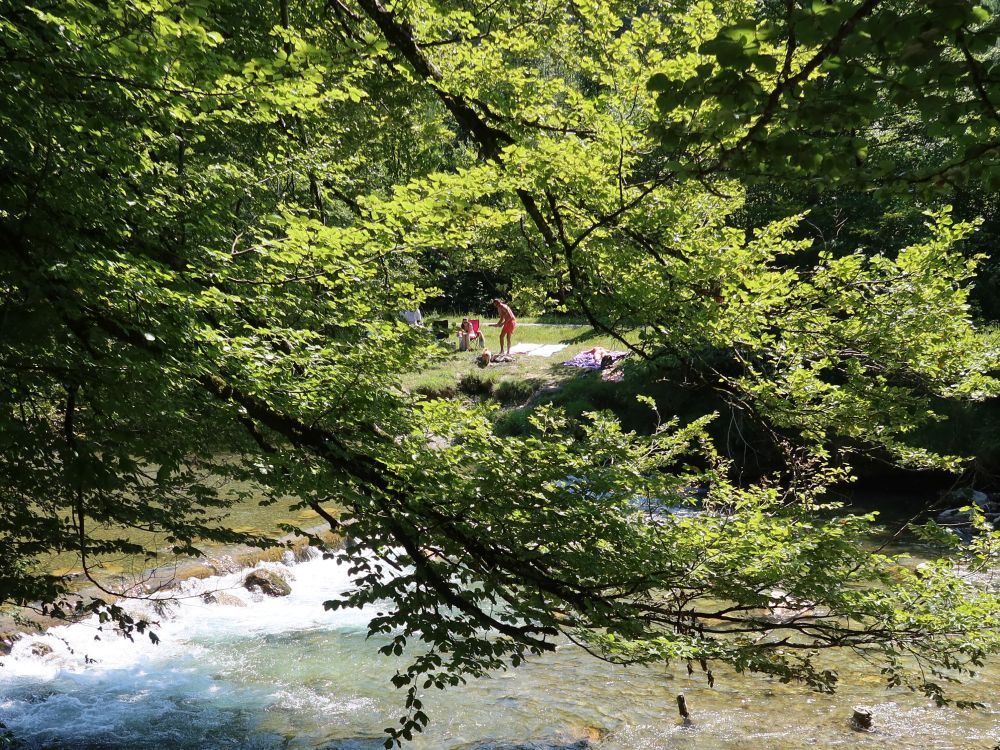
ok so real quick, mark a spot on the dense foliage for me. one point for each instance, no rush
(211, 214)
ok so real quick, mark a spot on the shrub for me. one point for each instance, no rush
(474, 385)
(514, 391)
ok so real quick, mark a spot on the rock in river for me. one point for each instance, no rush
(268, 582)
(221, 597)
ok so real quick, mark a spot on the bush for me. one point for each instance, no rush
(514, 423)
(514, 391)
(435, 391)
(474, 385)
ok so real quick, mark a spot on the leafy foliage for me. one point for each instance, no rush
(211, 214)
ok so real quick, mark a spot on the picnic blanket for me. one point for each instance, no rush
(537, 350)
(586, 360)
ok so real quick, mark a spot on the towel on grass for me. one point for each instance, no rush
(537, 350)
(547, 351)
(586, 360)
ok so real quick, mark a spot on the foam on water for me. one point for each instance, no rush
(186, 622)
(205, 684)
(284, 673)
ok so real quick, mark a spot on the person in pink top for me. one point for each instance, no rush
(468, 334)
(506, 324)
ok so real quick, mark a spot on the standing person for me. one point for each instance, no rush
(506, 324)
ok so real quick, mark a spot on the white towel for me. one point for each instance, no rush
(546, 351)
(524, 348)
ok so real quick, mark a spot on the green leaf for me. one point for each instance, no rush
(659, 82)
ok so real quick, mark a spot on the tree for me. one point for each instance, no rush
(212, 215)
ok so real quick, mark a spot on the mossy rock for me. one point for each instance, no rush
(7, 639)
(268, 582)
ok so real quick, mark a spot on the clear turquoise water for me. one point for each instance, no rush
(283, 673)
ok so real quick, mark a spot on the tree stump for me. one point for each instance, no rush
(683, 709)
(861, 719)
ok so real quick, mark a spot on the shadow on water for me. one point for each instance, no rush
(899, 515)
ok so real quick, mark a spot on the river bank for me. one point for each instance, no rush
(143, 582)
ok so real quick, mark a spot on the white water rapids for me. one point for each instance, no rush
(284, 673)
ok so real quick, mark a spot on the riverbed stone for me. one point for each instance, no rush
(226, 564)
(954, 517)
(583, 738)
(268, 582)
(40, 649)
(7, 639)
(223, 598)
(966, 496)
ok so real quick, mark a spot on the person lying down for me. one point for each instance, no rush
(602, 357)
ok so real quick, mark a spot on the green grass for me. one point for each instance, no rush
(528, 382)
(454, 373)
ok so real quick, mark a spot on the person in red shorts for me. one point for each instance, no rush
(506, 324)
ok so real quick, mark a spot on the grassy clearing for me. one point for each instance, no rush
(528, 382)
(450, 373)
(454, 373)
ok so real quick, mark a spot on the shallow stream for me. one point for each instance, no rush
(283, 673)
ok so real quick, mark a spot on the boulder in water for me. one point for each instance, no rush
(959, 520)
(954, 517)
(268, 582)
(7, 641)
(40, 649)
(969, 496)
(966, 497)
(221, 597)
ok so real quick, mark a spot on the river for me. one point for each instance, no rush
(284, 673)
